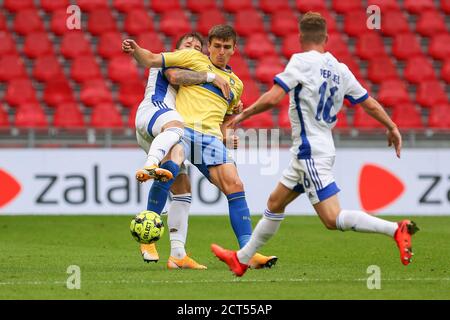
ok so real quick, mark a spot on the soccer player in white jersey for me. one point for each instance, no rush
(158, 128)
(317, 85)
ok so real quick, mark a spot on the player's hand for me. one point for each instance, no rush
(223, 85)
(233, 123)
(395, 139)
(238, 107)
(128, 46)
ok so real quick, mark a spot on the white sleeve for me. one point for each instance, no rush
(291, 76)
(354, 91)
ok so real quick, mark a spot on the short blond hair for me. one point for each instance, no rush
(313, 27)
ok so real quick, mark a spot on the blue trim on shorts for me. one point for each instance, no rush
(154, 118)
(328, 191)
(299, 188)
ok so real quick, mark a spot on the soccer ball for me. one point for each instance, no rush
(147, 227)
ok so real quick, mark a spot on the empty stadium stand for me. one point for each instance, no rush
(51, 76)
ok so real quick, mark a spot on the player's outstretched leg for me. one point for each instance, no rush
(402, 236)
(153, 172)
(149, 252)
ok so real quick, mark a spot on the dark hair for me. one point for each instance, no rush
(313, 27)
(194, 35)
(222, 32)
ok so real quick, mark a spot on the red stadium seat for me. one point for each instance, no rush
(151, 41)
(251, 92)
(267, 69)
(28, 21)
(430, 23)
(385, 5)
(351, 63)
(431, 93)
(310, 5)
(347, 6)
(248, 22)
(8, 44)
(12, 67)
(270, 6)
(75, 44)
(58, 23)
(291, 45)
(3, 25)
(94, 92)
(47, 68)
(175, 23)
(445, 6)
(85, 68)
(355, 23)
(418, 6)
(419, 69)
(407, 117)
(445, 72)
(342, 120)
(370, 45)
(440, 116)
(137, 22)
(283, 23)
(336, 45)
(131, 93)
(37, 44)
(208, 19)
(203, 6)
(20, 91)
(261, 120)
(163, 6)
(283, 118)
(30, 115)
(393, 93)
(439, 47)
(15, 6)
(406, 46)
(237, 5)
(106, 116)
(240, 68)
(106, 47)
(129, 5)
(394, 22)
(101, 21)
(4, 119)
(53, 5)
(68, 116)
(92, 5)
(362, 120)
(122, 69)
(131, 123)
(381, 69)
(58, 91)
(259, 46)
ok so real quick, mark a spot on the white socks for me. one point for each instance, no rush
(265, 229)
(177, 221)
(363, 222)
(162, 144)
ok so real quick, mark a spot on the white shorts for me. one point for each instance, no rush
(311, 176)
(150, 118)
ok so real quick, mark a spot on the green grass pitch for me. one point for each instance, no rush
(314, 263)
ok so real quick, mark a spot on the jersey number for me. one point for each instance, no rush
(323, 109)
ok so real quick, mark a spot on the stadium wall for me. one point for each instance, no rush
(101, 181)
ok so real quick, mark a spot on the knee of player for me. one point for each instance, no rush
(274, 204)
(233, 184)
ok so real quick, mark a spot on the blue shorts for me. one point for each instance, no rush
(204, 151)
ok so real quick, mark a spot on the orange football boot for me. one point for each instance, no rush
(153, 172)
(258, 261)
(185, 263)
(149, 252)
(402, 236)
(230, 258)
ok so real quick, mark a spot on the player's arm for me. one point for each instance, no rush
(230, 140)
(267, 101)
(143, 56)
(376, 111)
(183, 77)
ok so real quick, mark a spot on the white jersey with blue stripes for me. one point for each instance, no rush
(159, 91)
(317, 84)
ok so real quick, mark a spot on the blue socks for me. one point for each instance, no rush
(240, 217)
(159, 191)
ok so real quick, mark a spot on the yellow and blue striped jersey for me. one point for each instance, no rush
(203, 106)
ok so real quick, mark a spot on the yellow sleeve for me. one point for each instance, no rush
(181, 58)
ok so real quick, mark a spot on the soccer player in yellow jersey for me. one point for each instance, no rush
(204, 108)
